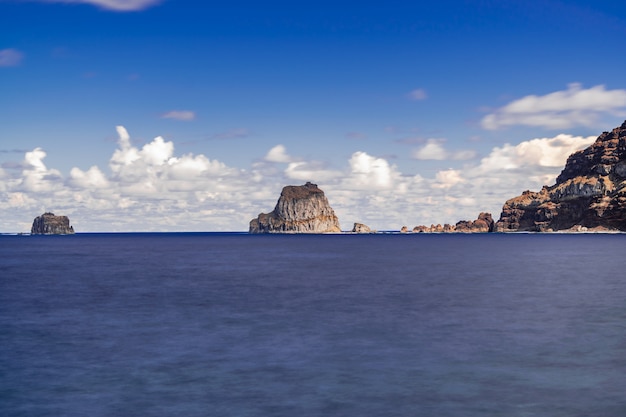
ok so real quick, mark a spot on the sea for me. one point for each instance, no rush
(231, 324)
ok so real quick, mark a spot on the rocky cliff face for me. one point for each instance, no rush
(49, 224)
(300, 209)
(483, 224)
(590, 193)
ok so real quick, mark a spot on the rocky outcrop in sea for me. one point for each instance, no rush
(300, 209)
(589, 194)
(49, 224)
(483, 224)
(361, 228)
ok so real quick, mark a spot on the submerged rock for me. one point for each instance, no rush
(300, 209)
(49, 224)
(590, 193)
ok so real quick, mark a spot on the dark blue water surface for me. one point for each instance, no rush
(300, 325)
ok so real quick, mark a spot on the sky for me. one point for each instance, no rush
(181, 115)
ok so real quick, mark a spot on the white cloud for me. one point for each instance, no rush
(190, 167)
(434, 150)
(448, 179)
(310, 171)
(157, 152)
(182, 115)
(278, 154)
(418, 94)
(36, 177)
(369, 171)
(540, 152)
(114, 5)
(92, 178)
(152, 189)
(10, 57)
(575, 106)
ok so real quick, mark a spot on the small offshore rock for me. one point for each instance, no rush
(49, 224)
(361, 228)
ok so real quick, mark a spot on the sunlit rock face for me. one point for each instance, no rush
(589, 194)
(300, 209)
(49, 224)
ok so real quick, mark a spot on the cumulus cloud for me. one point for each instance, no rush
(434, 150)
(418, 94)
(92, 178)
(113, 5)
(369, 171)
(182, 115)
(278, 154)
(532, 156)
(575, 106)
(448, 179)
(151, 188)
(10, 57)
(36, 176)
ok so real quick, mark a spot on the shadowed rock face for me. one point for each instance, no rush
(590, 192)
(49, 224)
(300, 209)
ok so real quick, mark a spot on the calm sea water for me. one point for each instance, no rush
(331, 325)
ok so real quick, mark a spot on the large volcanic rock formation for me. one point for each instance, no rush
(590, 193)
(49, 224)
(300, 209)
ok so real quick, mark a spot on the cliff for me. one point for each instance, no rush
(589, 194)
(483, 224)
(49, 224)
(300, 209)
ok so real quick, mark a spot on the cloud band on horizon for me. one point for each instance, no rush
(193, 192)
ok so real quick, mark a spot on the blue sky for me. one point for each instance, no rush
(403, 113)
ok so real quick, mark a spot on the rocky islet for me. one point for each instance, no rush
(300, 209)
(49, 224)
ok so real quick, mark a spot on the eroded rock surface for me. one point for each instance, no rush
(49, 224)
(300, 209)
(589, 194)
